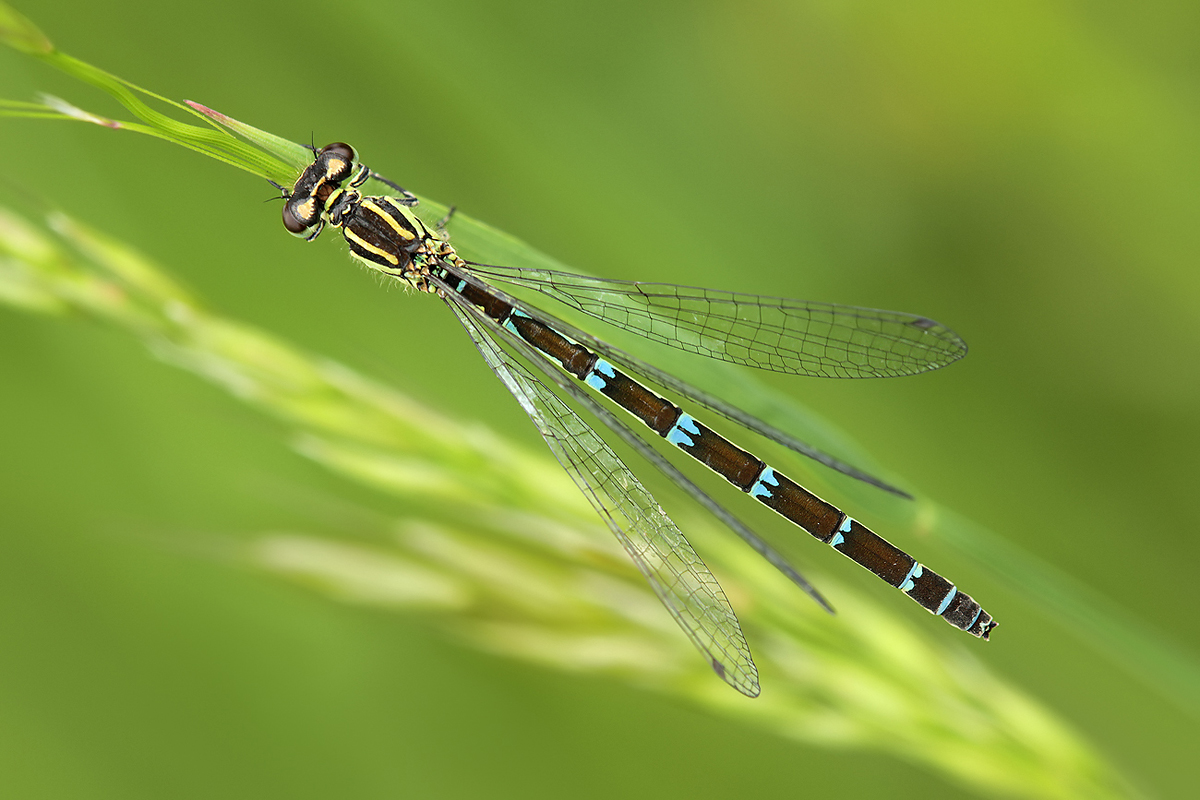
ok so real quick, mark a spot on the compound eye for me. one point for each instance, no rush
(338, 160)
(341, 149)
(292, 222)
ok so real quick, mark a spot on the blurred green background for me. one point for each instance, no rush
(1026, 174)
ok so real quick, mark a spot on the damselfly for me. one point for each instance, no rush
(790, 336)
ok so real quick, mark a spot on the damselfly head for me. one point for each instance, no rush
(332, 164)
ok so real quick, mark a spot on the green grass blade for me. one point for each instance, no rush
(19, 33)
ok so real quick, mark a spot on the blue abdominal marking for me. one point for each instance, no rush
(508, 322)
(838, 538)
(974, 619)
(913, 574)
(946, 602)
(602, 370)
(765, 478)
(678, 435)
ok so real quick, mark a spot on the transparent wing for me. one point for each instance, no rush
(568, 386)
(772, 333)
(658, 548)
(667, 381)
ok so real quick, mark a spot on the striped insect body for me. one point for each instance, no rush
(793, 336)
